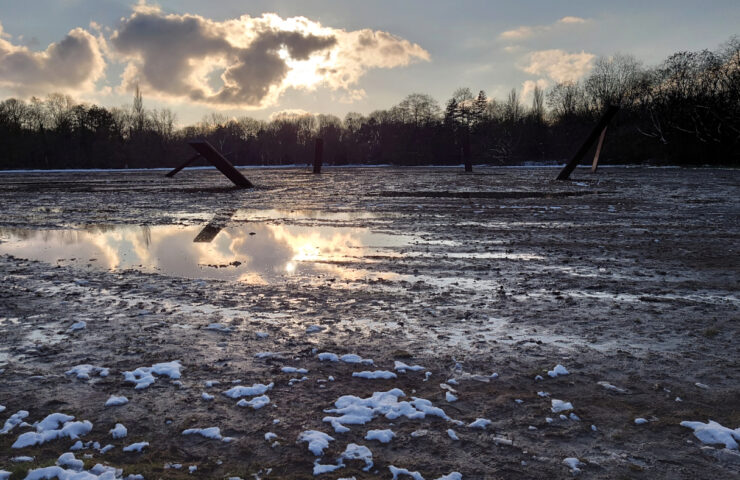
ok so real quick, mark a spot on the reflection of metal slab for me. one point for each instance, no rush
(209, 232)
(603, 122)
(174, 171)
(206, 150)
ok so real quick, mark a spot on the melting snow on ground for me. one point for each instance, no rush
(54, 426)
(256, 403)
(560, 406)
(317, 441)
(713, 433)
(383, 436)
(119, 431)
(115, 401)
(558, 370)
(382, 374)
(136, 447)
(354, 410)
(241, 391)
(144, 376)
(83, 372)
(210, 432)
(13, 421)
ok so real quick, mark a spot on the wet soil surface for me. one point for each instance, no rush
(630, 276)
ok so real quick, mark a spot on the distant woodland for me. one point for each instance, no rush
(685, 111)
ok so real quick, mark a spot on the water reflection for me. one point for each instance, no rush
(256, 252)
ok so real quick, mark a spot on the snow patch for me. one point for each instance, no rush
(213, 433)
(54, 426)
(713, 433)
(317, 441)
(144, 376)
(560, 406)
(119, 431)
(241, 391)
(382, 374)
(383, 436)
(115, 401)
(83, 372)
(256, 403)
(558, 370)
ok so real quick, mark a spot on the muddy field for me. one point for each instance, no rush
(628, 278)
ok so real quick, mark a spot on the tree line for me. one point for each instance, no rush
(685, 111)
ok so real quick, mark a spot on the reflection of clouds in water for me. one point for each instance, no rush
(274, 252)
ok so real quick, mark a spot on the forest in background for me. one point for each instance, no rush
(685, 111)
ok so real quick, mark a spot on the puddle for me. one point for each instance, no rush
(271, 247)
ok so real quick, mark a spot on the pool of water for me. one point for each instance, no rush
(259, 248)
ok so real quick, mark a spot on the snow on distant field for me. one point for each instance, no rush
(83, 372)
(573, 464)
(354, 410)
(119, 431)
(241, 391)
(256, 403)
(54, 426)
(402, 367)
(219, 328)
(81, 325)
(558, 370)
(213, 433)
(293, 370)
(377, 374)
(560, 406)
(355, 359)
(480, 423)
(115, 401)
(317, 441)
(13, 421)
(383, 436)
(713, 433)
(144, 376)
(136, 447)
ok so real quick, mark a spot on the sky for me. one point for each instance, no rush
(259, 57)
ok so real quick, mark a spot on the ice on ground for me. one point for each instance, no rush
(136, 447)
(317, 441)
(328, 357)
(54, 426)
(77, 326)
(68, 460)
(640, 421)
(270, 436)
(611, 387)
(480, 423)
(219, 327)
(560, 406)
(115, 401)
(382, 374)
(573, 463)
(402, 367)
(22, 459)
(13, 421)
(558, 370)
(213, 433)
(293, 370)
(256, 403)
(119, 431)
(450, 397)
(713, 433)
(83, 372)
(452, 434)
(207, 397)
(144, 376)
(354, 410)
(402, 471)
(383, 436)
(241, 391)
(703, 386)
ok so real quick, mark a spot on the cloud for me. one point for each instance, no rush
(529, 85)
(247, 62)
(71, 65)
(525, 31)
(558, 65)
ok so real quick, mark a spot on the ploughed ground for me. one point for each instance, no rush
(628, 276)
